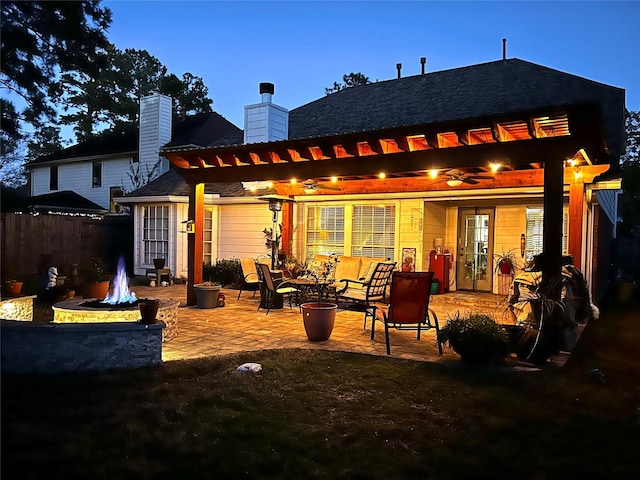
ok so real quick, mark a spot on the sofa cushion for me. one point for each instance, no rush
(369, 265)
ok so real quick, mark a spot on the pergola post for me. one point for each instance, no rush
(576, 204)
(195, 252)
(552, 225)
(287, 228)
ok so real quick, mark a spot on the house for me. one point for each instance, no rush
(460, 164)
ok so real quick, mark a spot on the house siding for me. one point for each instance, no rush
(76, 177)
(240, 230)
(608, 200)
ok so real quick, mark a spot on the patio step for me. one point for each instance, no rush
(470, 302)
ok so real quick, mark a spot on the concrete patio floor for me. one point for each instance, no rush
(239, 327)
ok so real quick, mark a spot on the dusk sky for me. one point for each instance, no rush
(303, 47)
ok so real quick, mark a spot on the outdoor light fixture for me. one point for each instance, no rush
(433, 173)
(275, 205)
(494, 167)
(454, 182)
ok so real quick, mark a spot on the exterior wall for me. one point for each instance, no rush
(77, 177)
(608, 201)
(434, 226)
(240, 230)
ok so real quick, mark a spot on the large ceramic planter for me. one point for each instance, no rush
(95, 290)
(318, 319)
(206, 295)
(158, 263)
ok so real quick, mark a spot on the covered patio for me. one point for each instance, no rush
(239, 327)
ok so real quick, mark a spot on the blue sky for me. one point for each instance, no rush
(303, 47)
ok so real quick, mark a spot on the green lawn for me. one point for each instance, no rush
(313, 414)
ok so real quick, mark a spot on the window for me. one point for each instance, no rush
(373, 231)
(325, 230)
(535, 221)
(115, 192)
(96, 175)
(155, 232)
(53, 177)
(207, 244)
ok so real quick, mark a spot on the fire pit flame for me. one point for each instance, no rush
(121, 292)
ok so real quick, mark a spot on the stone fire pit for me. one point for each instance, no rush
(72, 311)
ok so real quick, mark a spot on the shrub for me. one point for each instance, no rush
(476, 337)
(227, 273)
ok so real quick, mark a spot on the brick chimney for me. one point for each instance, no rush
(265, 121)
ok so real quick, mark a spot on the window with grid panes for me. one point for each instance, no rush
(535, 223)
(325, 230)
(155, 232)
(373, 231)
(207, 246)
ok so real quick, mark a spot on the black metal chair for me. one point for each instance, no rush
(271, 287)
(408, 307)
(250, 281)
(369, 290)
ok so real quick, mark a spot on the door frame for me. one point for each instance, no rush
(477, 281)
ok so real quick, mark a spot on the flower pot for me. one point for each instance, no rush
(148, 311)
(97, 290)
(318, 319)
(11, 289)
(505, 268)
(206, 295)
(158, 263)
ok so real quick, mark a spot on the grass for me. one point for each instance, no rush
(315, 414)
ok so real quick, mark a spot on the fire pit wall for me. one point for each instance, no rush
(58, 348)
(73, 311)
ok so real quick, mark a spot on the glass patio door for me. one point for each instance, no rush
(475, 249)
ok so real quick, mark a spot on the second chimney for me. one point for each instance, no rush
(265, 121)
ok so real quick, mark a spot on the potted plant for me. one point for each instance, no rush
(207, 294)
(505, 262)
(11, 288)
(319, 316)
(158, 263)
(96, 278)
(476, 337)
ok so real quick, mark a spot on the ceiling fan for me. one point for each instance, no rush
(311, 186)
(455, 178)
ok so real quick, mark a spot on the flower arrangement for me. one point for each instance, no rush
(321, 273)
(96, 270)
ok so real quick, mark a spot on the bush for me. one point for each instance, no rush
(227, 273)
(476, 337)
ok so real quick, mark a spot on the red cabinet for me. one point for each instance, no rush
(439, 263)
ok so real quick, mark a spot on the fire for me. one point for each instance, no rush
(121, 292)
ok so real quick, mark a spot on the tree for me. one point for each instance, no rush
(631, 175)
(44, 141)
(351, 80)
(190, 95)
(40, 41)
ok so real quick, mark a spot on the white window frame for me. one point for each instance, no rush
(155, 232)
(535, 231)
(209, 255)
(347, 247)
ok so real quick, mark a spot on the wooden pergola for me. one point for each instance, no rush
(534, 148)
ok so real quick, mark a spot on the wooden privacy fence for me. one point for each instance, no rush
(33, 243)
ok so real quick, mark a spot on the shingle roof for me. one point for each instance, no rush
(488, 89)
(64, 200)
(172, 184)
(106, 143)
(204, 129)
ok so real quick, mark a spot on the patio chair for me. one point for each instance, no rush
(369, 290)
(250, 281)
(408, 307)
(272, 287)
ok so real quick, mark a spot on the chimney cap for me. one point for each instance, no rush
(267, 87)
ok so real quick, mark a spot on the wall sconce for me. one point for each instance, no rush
(454, 182)
(189, 226)
(275, 205)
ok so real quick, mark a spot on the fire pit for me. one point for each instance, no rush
(120, 306)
